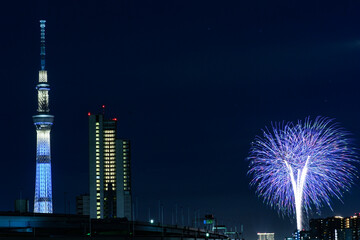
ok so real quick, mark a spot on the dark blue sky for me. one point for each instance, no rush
(191, 82)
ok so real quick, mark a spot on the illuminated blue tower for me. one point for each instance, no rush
(43, 122)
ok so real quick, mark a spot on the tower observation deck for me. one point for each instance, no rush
(43, 123)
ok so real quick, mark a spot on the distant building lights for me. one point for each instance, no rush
(151, 221)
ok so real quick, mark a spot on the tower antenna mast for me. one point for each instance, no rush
(42, 44)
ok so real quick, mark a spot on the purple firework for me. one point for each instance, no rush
(295, 167)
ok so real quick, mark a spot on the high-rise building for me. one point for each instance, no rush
(109, 166)
(43, 122)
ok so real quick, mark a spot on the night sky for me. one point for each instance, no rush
(191, 82)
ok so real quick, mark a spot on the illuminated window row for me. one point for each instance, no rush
(111, 165)
(112, 154)
(109, 146)
(109, 131)
(109, 173)
(109, 181)
(109, 169)
(110, 161)
(109, 150)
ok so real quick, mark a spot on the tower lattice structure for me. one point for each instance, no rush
(43, 122)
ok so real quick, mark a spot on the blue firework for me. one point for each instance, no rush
(299, 166)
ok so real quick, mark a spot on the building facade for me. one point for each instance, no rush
(110, 170)
(43, 122)
(265, 236)
(83, 204)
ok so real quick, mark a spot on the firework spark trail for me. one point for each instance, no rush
(295, 167)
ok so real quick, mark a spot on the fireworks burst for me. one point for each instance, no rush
(297, 167)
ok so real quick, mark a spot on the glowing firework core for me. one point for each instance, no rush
(298, 187)
(296, 167)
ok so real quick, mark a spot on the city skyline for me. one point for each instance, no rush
(191, 85)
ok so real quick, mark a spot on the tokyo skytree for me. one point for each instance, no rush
(43, 122)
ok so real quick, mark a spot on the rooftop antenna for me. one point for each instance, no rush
(103, 110)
